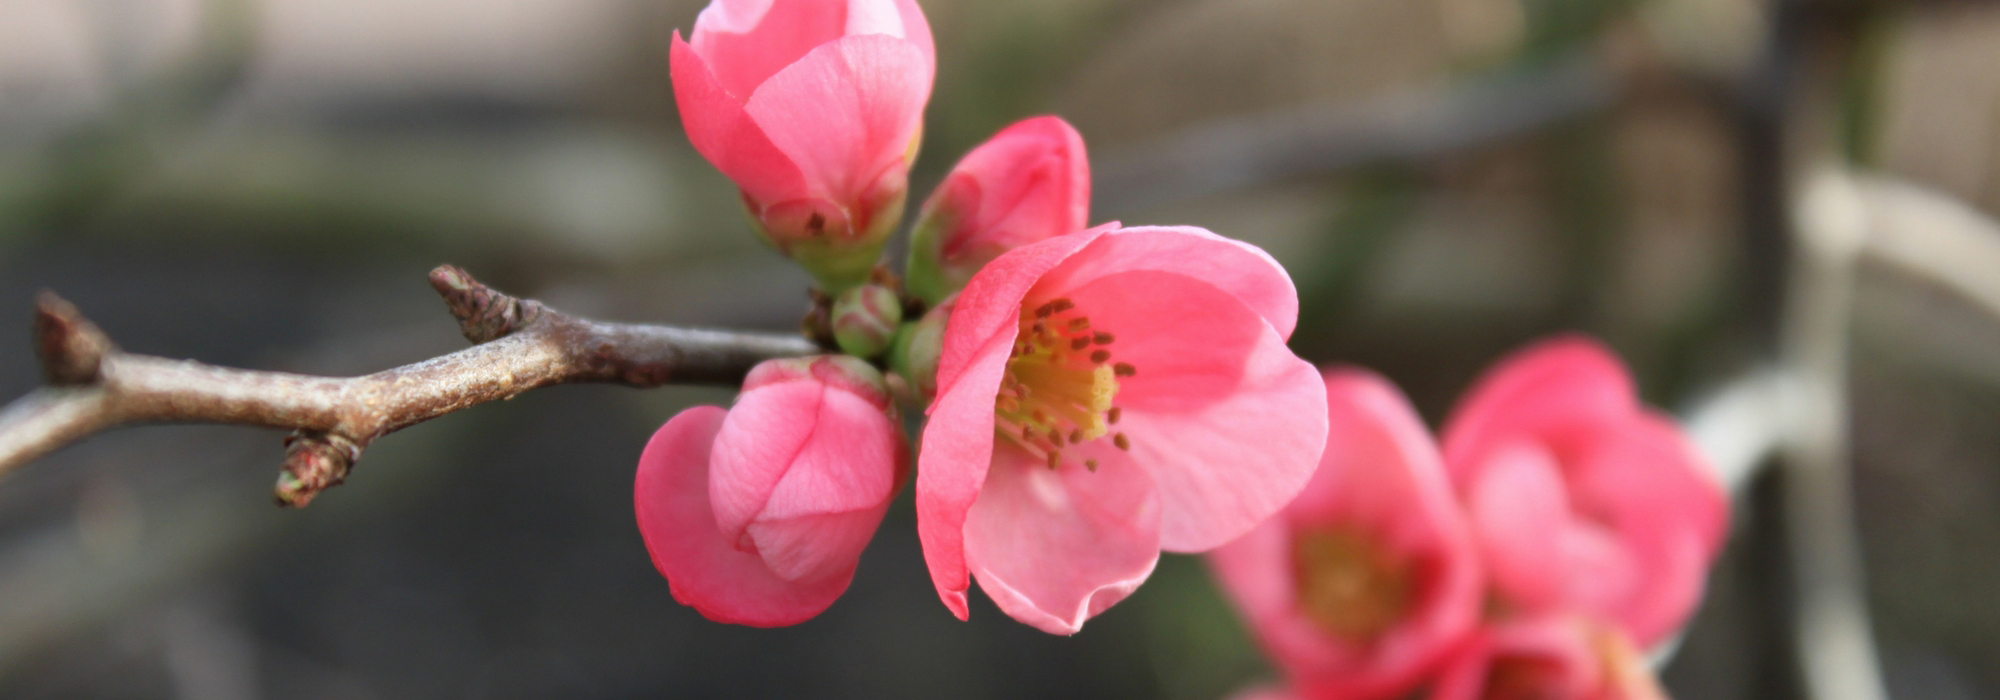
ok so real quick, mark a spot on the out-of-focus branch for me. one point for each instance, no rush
(1933, 236)
(1404, 125)
(522, 344)
(1832, 634)
(1737, 427)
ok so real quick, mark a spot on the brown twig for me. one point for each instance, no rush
(521, 344)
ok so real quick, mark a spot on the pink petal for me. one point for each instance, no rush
(1028, 183)
(1381, 475)
(1562, 661)
(1055, 547)
(1603, 573)
(1520, 510)
(916, 28)
(1240, 269)
(990, 305)
(1650, 490)
(726, 135)
(957, 441)
(802, 473)
(1225, 418)
(748, 41)
(952, 466)
(704, 570)
(846, 112)
(1552, 390)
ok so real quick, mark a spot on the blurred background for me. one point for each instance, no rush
(264, 183)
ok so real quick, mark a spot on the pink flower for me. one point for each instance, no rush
(1028, 183)
(1580, 498)
(1544, 658)
(1362, 586)
(1548, 658)
(814, 108)
(758, 516)
(1103, 396)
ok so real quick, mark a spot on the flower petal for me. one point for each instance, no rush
(725, 134)
(704, 570)
(1028, 183)
(1520, 512)
(990, 305)
(957, 448)
(1381, 476)
(802, 473)
(1240, 269)
(846, 112)
(1229, 423)
(1543, 656)
(1557, 390)
(748, 41)
(1662, 508)
(1054, 547)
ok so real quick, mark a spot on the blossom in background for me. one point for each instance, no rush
(815, 109)
(1548, 658)
(1030, 182)
(1102, 396)
(1581, 499)
(758, 516)
(1363, 585)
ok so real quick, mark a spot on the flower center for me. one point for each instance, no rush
(1349, 584)
(1523, 678)
(1059, 384)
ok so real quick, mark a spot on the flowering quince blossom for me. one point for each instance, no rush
(1581, 499)
(758, 515)
(1029, 182)
(1546, 658)
(814, 108)
(1363, 585)
(1549, 657)
(1102, 396)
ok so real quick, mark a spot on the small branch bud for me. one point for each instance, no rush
(315, 460)
(483, 313)
(71, 347)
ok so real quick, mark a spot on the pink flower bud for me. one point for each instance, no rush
(814, 108)
(758, 516)
(1029, 182)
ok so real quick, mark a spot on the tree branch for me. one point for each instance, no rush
(521, 344)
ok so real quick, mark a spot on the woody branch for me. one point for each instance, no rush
(520, 344)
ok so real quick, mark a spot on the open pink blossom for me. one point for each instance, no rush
(1582, 499)
(1363, 585)
(1102, 396)
(1554, 657)
(758, 516)
(814, 108)
(1029, 182)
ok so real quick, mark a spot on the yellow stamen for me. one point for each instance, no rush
(1058, 388)
(1349, 584)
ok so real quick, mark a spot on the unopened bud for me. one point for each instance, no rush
(865, 320)
(918, 345)
(1028, 183)
(853, 375)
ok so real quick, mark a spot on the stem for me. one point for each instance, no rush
(520, 345)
